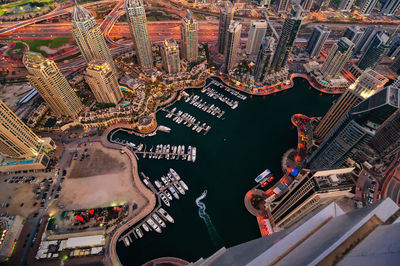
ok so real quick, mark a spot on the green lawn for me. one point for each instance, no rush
(8, 7)
(53, 43)
(18, 46)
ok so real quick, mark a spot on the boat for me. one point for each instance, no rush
(158, 220)
(164, 129)
(183, 184)
(261, 176)
(146, 182)
(165, 215)
(173, 191)
(153, 225)
(179, 188)
(145, 227)
(126, 241)
(158, 184)
(174, 174)
(168, 177)
(189, 158)
(164, 180)
(194, 154)
(164, 199)
(168, 194)
(139, 232)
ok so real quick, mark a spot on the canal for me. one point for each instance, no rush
(248, 140)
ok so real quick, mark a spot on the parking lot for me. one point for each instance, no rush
(19, 192)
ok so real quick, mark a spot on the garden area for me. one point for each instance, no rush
(47, 47)
(24, 6)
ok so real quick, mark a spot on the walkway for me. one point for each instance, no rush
(167, 261)
(112, 257)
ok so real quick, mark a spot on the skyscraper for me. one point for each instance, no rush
(264, 58)
(189, 37)
(366, 38)
(307, 5)
(103, 82)
(367, 6)
(256, 34)
(89, 38)
(137, 21)
(290, 28)
(50, 83)
(170, 56)
(232, 46)
(366, 85)
(314, 190)
(225, 18)
(394, 47)
(395, 66)
(355, 129)
(390, 7)
(17, 140)
(375, 51)
(283, 5)
(317, 40)
(337, 58)
(387, 137)
(354, 34)
(345, 5)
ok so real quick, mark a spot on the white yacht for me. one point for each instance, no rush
(158, 220)
(179, 188)
(164, 199)
(145, 227)
(183, 184)
(165, 215)
(153, 225)
(173, 191)
(168, 194)
(139, 232)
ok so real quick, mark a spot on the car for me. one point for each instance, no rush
(264, 184)
(270, 178)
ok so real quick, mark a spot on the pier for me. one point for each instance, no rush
(161, 223)
(211, 109)
(187, 120)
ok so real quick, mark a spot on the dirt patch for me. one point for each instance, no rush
(102, 179)
(98, 163)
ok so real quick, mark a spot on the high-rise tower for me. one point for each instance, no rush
(317, 40)
(103, 82)
(225, 18)
(170, 56)
(290, 28)
(256, 34)
(366, 85)
(367, 6)
(337, 58)
(355, 130)
(390, 7)
(353, 33)
(189, 37)
(376, 50)
(89, 38)
(283, 6)
(17, 140)
(54, 88)
(307, 5)
(346, 5)
(137, 21)
(232, 46)
(264, 58)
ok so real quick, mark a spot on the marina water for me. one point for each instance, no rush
(248, 140)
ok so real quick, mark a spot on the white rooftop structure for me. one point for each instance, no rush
(85, 241)
(324, 237)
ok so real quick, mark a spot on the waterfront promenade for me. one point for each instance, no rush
(111, 254)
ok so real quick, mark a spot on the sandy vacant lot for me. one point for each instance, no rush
(19, 193)
(100, 180)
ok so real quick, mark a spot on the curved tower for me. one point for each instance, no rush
(89, 38)
(136, 16)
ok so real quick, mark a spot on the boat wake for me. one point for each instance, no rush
(216, 239)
